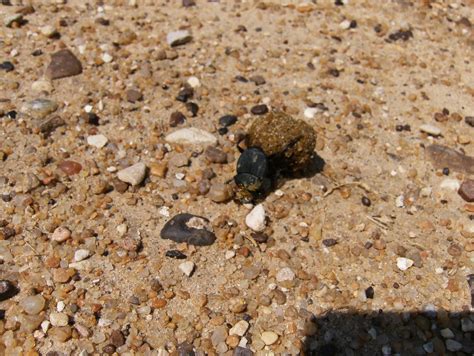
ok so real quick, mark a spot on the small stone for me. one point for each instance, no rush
(261, 109)
(70, 167)
(255, 220)
(191, 136)
(453, 345)
(447, 333)
(39, 108)
(192, 229)
(7, 66)
(185, 94)
(133, 175)
(310, 113)
(58, 319)
(269, 337)
(49, 31)
(257, 79)
(404, 263)
(117, 338)
(430, 129)
(33, 304)
(193, 108)
(467, 324)
(13, 19)
(450, 184)
(240, 328)
(227, 120)
(98, 141)
(6, 289)
(178, 38)
(285, 274)
(177, 118)
(175, 254)
(469, 120)
(81, 255)
(455, 250)
(60, 333)
(187, 268)
(444, 157)
(229, 254)
(242, 351)
(61, 234)
(428, 347)
(159, 169)
(329, 242)
(48, 126)
(109, 349)
(220, 192)
(189, 3)
(134, 95)
(63, 64)
(215, 155)
(466, 190)
(194, 82)
(237, 305)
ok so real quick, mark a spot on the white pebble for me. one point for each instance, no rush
(81, 255)
(269, 337)
(400, 201)
(194, 82)
(177, 38)
(191, 136)
(345, 25)
(98, 141)
(229, 255)
(310, 113)
(61, 234)
(187, 268)
(133, 175)
(107, 58)
(255, 220)
(122, 229)
(240, 328)
(426, 192)
(165, 211)
(45, 326)
(60, 306)
(58, 319)
(404, 263)
(285, 274)
(450, 184)
(430, 129)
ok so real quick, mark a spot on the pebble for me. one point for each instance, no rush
(33, 304)
(11, 19)
(257, 79)
(177, 38)
(192, 229)
(453, 345)
(98, 141)
(58, 319)
(404, 263)
(177, 118)
(7, 66)
(237, 305)
(255, 220)
(61, 234)
(430, 129)
(191, 136)
(220, 192)
(428, 347)
(466, 190)
(450, 184)
(81, 255)
(310, 113)
(134, 95)
(269, 337)
(63, 64)
(42, 86)
(133, 175)
(39, 108)
(192, 108)
(285, 274)
(447, 333)
(175, 254)
(70, 167)
(48, 31)
(261, 109)
(194, 82)
(227, 120)
(116, 338)
(6, 289)
(187, 268)
(215, 155)
(469, 120)
(240, 328)
(229, 254)
(444, 157)
(242, 351)
(467, 324)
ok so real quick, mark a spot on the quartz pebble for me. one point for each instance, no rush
(98, 141)
(58, 319)
(133, 175)
(450, 184)
(453, 345)
(61, 234)
(255, 220)
(191, 136)
(177, 38)
(33, 304)
(81, 254)
(269, 337)
(63, 64)
(285, 274)
(430, 129)
(194, 82)
(187, 268)
(404, 263)
(39, 108)
(240, 328)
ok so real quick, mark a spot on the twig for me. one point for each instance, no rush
(380, 224)
(358, 184)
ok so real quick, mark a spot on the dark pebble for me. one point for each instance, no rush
(12, 114)
(185, 94)
(175, 254)
(63, 64)
(51, 124)
(403, 35)
(186, 349)
(369, 293)
(116, 338)
(208, 173)
(446, 171)
(8, 232)
(134, 95)
(368, 245)
(339, 3)
(102, 21)
(177, 229)
(261, 109)
(92, 119)
(215, 155)
(7, 66)
(177, 118)
(120, 186)
(242, 351)
(329, 242)
(222, 130)
(227, 120)
(366, 201)
(258, 80)
(36, 53)
(7, 289)
(193, 108)
(353, 24)
(241, 79)
(109, 349)
(70, 167)
(466, 190)
(260, 237)
(334, 72)
(469, 120)
(189, 3)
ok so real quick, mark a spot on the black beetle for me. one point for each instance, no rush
(253, 177)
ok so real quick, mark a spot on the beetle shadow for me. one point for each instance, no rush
(389, 333)
(314, 167)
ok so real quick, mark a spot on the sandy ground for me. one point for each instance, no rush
(373, 72)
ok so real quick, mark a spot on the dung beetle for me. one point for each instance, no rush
(253, 178)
